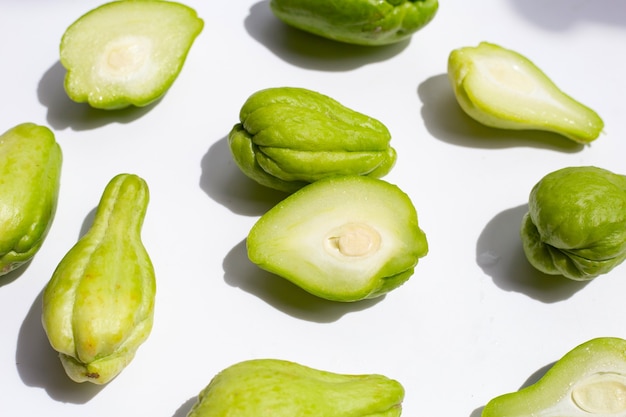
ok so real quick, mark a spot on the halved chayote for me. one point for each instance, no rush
(343, 238)
(127, 52)
(30, 178)
(576, 222)
(288, 137)
(279, 388)
(99, 303)
(501, 88)
(361, 22)
(590, 380)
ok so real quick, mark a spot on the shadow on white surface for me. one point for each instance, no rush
(500, 254)
(184, 409)
(39, 366)
(309, 51)
(446, 121)
(224, 182)
(6, 279)
(64, 113)
(565, 14)
(283, 295)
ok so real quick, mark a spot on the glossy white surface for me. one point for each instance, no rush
(475, 320)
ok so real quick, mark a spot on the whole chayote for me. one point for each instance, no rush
(289, 137)
(576, 222)
(98, 306)
(361, 22)
(279, 388)
(30, 175)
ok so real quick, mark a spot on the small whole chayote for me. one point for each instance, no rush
(361, 22)
(98, 306)
(576, 222)
(279, 388)
(289, 137)
(30, 175)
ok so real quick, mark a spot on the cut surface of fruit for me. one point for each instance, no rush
(341, 238)
(126, 52)
(503, 89)
(590, 381)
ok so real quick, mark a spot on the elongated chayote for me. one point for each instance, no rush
(289, 137)
(361, 22)
(278, 388)
(576, 222)
(98, 306)
(30, 175)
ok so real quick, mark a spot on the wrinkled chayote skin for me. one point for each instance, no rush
(590, 380)
(277, 388)
(30, 174)
(98, 306)
(361, 22)
(576, 222)
(289, 137)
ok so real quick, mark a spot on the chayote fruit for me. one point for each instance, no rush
(590, 380)
(125, 53)
(30, 174)
(289, 137)
(501, 88)
(361, 22)
(344, 238)
(277, 388)
(576, 222)
(98, 306)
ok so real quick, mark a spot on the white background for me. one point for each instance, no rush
(475, 320)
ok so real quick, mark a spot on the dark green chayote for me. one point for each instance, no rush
(278, 388)
(289, 137)
(30, 178)
(576, 222)
(98, 306)
(361, 22)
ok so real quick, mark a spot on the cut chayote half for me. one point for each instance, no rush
(500, 88)
(127, 52)
(590, 381)
(289, 137)
(361, 22)
(576, 222)
(342, 238)
(278, 388)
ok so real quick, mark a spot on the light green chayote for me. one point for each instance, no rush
(289, 137)
(98, 306)
(361, 22)
(278, 388)
(590, 380)
(576, 222)
(30, 175)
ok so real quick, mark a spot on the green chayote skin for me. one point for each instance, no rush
(589, 380)
(30, 174)
(277, 388)
(360, 22)
(289, 137)
(98, 306)
(576, 223)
